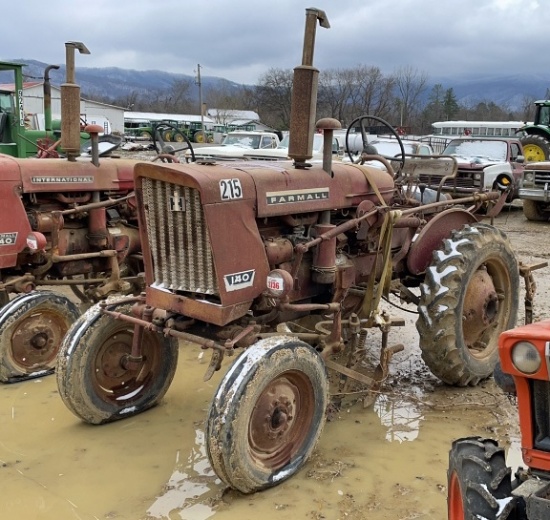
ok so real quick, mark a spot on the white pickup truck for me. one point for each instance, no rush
(236, 144)
(281, 152)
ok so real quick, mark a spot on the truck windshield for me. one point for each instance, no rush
(478, 148)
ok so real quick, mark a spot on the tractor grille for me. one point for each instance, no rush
(540, 390)
(178, 237)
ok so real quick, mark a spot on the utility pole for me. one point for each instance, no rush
(200, 101)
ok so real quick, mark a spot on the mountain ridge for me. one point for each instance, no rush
(511, 90)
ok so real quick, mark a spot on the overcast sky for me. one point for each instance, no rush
(241, 39)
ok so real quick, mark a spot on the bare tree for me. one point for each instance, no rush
(410, 85)
(273, 96)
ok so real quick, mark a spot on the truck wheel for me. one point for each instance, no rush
(92, 376)
(535, 148)
(534, 210)
(469, 296)
(32, 327)
(267, 414)
(479, 482)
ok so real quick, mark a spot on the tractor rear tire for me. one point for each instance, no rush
(535, 148)
(534, 210)
(93, 376)
(479, 482)
(469, 296)
(267, 414)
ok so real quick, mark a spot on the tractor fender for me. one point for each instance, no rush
(430, 238)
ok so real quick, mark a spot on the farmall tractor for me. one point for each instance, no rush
(64, 222)
(480, 483)
(287, 264)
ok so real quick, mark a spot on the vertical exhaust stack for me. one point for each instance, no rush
(304, 94)
(48, 99)
(70, 104)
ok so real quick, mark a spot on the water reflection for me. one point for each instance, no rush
(186, 492)
(401, 417)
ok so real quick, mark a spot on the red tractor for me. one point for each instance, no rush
(64, 222)
(480, 483)
(288, 262)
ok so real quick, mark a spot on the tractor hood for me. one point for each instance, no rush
(46, 175)
(276, 188)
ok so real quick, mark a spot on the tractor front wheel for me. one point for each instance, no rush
(32, 327)
(95, 378)
(469, 296)
(535, 148)
(479, 483)
(267, 414)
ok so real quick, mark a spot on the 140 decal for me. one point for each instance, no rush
(236, 281)
(230, 189)
(8, 239)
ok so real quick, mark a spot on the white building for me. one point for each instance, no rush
(92, 111)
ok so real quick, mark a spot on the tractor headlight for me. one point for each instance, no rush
(526, 357)
(528, 178)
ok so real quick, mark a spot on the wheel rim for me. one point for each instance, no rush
(37, 337)
(146, 135)
(486, 309)
(456, 508)
(178, 138)
(281, 420)
(533, 153)
(114, 379)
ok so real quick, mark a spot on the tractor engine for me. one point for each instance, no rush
(69, 232)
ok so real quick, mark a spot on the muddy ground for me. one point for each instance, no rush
(384, 462)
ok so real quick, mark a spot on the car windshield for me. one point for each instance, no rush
(391, 149)
(480, 149)
(317, 142)
(244, 140)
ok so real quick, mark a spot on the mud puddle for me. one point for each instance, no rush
(387, 461)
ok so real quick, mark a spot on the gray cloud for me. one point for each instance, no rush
(241, 39)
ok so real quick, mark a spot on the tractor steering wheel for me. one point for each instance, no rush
(371, 149)
(166, 151)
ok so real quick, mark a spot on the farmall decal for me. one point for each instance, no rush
(63, 180)
(8, 239)
(285, 197)
(236, 281)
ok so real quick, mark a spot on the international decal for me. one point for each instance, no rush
(287, 197)
(62, 180)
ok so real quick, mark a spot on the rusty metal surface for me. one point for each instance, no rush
(481, 307)
(281, 420)
(431, 237)
(35, 340)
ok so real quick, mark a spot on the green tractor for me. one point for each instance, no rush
(16, 138)
(536, 135)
